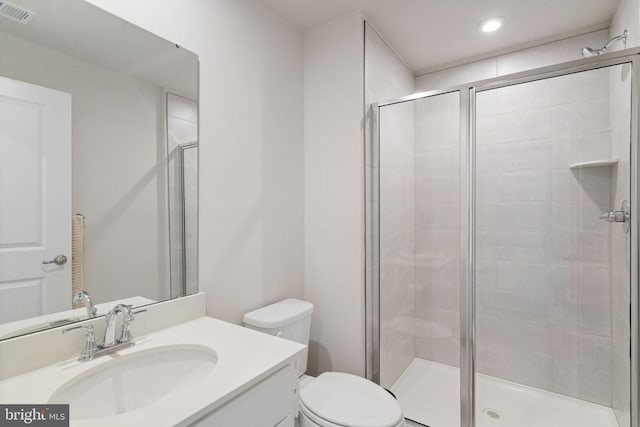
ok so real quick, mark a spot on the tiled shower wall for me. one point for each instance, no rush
(534, 215)
(387, 77)
(437, 202)
(543, 256)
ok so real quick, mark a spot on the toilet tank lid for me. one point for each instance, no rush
(279, 314)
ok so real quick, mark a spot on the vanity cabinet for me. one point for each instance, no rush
(270, 403)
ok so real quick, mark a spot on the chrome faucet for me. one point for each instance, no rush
(91, 350)
(112, 318)
(84, 297)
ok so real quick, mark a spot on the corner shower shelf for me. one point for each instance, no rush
(594, 164)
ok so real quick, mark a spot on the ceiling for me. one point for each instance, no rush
(80, 29)
(434, 34)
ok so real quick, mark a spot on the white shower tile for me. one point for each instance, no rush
(524, 186)
(444, 189)
(523, 60)
(487, 130)
(583, 86)
(582, 366)
(591, 248)
(486, 103)
(577, 216)
(396, 186)
(581, 117)
(513, 246)
(436, 163)
(524, 216)
(523, 278)
(593, 280)
(595, 318)
(487, 215)
(524, 125)
(514, 156)
(466, 73)
(563, 185)
(523, 96)
(437, 216)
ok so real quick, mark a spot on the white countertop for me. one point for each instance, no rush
(245, 357)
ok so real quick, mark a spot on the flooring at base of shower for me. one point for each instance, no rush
(429, 394)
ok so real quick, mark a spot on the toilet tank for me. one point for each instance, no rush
(289, 319)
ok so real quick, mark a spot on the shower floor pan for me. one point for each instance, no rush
(429, 394)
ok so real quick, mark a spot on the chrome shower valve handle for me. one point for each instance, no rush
(623, 215)
(615, 216)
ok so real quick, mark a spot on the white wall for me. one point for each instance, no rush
(251, 149)
(334, 200)
(119, 170)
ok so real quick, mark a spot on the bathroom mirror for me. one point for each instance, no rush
(98, 165)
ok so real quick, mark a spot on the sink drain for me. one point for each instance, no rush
(492, 413)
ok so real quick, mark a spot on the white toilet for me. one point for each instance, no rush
(332, 399)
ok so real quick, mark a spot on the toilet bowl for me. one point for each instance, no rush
(332, 399)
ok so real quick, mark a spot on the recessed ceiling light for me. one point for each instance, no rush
(491, 25)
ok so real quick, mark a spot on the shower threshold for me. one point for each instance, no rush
(429, 394)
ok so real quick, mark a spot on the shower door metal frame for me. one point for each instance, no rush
(468, 193)
(182, 220)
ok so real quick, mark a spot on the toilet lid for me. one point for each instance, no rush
(352, 401)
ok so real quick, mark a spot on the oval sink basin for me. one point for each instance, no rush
(134, 381)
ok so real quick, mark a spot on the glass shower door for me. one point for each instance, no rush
(420, 256)
(552, 278)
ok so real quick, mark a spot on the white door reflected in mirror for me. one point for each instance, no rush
(35, 189)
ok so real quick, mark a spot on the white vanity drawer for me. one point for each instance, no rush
(267, 404)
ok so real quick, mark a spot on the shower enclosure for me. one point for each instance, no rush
(502, 249)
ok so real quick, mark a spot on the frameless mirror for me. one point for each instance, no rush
(98, 165)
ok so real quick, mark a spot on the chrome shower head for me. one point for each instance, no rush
(589, 52)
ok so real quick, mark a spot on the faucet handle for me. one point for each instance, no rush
(89, 329)
(126, 322)
(130, 314)
(127, 314)
(89, 349)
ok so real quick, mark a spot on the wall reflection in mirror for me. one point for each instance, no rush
(98, 166)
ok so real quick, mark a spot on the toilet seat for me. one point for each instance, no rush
(343, 400)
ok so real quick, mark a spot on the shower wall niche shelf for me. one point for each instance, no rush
(594, 164)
